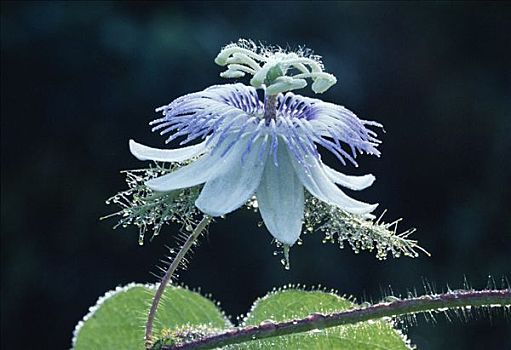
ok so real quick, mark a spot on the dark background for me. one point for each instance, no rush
(79, 79)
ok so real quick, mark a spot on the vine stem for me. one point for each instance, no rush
(168, 276)
(426, 303)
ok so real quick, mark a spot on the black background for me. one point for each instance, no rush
(79, 79)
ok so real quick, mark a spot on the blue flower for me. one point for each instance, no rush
(267, 149)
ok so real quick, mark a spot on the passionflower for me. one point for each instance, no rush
(264, 147)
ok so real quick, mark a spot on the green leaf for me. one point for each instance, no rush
(118, 318)
(291, 304)
(117, 321)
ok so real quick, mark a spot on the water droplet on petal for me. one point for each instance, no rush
(285, 261)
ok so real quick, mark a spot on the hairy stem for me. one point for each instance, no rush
(427, 303)
(168, 275)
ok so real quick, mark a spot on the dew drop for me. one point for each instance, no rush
(285, 261)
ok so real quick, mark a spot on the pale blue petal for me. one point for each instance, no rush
(166, 155)
(352, 182)
(281, 199)
(232, 189)
(322, 187)
(208, 167)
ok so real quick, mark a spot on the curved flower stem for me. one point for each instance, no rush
(426, 303)
(168, 275)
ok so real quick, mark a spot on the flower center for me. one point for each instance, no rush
(274, 68)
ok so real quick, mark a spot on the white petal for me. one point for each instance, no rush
(351, 182)
(208, 167)
(166, 155)
(281, 199)
(322, 187)
(230, 190)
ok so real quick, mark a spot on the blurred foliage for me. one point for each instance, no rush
(78, 79)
